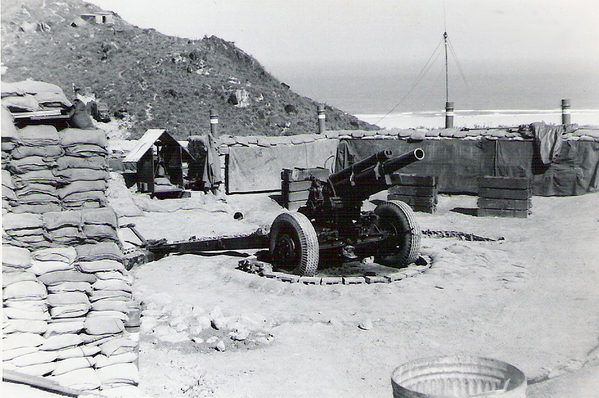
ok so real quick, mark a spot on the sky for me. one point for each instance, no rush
(336, 32)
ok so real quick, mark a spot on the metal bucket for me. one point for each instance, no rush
(457, 377)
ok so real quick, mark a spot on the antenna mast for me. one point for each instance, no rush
(448, 105)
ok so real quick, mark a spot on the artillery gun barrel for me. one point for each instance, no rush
(372, 179)
(361, 165)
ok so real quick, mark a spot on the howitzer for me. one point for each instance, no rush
(331, 225)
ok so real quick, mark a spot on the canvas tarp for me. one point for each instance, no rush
(459, 163)
(256, 168)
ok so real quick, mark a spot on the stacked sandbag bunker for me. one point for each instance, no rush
(67, 296)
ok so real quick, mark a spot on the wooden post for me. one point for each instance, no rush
(321, 119)
(566, 117)
(214, 123)
(449, 115)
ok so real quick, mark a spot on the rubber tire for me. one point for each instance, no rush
(305, 238)
(403, 219)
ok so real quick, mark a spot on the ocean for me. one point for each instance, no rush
(484, 94)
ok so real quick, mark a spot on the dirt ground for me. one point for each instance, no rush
(531, 300)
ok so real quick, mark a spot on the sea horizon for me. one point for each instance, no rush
(484, 94)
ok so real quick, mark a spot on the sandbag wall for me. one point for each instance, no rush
(66, 292)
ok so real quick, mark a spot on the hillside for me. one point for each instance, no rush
(151, 80)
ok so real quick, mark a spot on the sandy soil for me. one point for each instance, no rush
(530, 300)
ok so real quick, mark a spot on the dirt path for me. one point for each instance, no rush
(530, 300)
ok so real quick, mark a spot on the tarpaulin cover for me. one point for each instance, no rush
(455, 162)
(459, 163)
(254, 169)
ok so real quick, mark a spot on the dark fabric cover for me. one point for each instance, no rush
(548, 141)
(80, 118)
(459, 163)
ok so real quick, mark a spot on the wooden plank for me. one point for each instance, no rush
(295, 196)
(293, 206)
(504, 182)
(500, 193)
(425, 209)
(413, 190)
(303, 174)
(413, 179)
(295, 186)
(505, 204)
(414, 200)
(503, 213)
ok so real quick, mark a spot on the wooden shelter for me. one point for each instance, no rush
(155, 164)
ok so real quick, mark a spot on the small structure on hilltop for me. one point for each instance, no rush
(100, 18)
(156, 165)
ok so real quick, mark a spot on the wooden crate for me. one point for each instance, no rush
(504, 197)
(295, 185)
(419, 192)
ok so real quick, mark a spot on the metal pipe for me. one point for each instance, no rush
(214, 123)
(321, 119)
(566, 116)
(449, 115)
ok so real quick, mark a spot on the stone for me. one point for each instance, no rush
(220, 346)
(212, 340)
(203, 322)
(366, 324)
(240, 335)
(148, 323)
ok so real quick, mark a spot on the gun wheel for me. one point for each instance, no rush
(397, 219)
(294, 243)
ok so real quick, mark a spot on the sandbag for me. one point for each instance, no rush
(13, 277)
(104, 325)
(7, 355)
(7, 180)
(9, 131)
(24, 103)
(24, 326)
(39, 135)
(82, 187)
(105, 275)
(67, 298)
(83, 200)
(103, 360)
(110, 305)
(99, 251)
(60, 341)
(37, 177)
(36, 209)
(120, 373)
(114, 314)
(69, 311)
(100, 233)
(71, 327)
(21, 233)
(37, 199)
(65, 236)
(28, 164)
(39, 305)
(43, 267)
(110, 294)
(19, 340)
(100, 265)
(70, 137)
(85, 287)
(41, 369)
(81, 379)
(35, 358)
(72, 162)
(56, 277)
(64, 254)
(45, 151)
(112, 284)
(85, 150)
(71, 364)
(21, 221)
(105, 216)
(37, 188)
(24, 290)
(61, 219)
(46, 92)
(8, 194)
(79, 351)
(34, 314)
(72, 175)
(16, 257)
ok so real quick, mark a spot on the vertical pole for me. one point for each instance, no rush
(566, 117)
(321, 119)
(446, 69)
(214, 123)
(448, 115)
